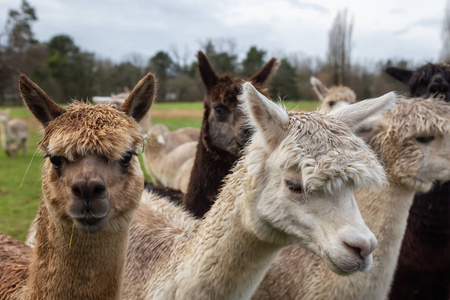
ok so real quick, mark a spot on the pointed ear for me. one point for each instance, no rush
(141, 98)
(267, 117)
(209, 77)
(401, 75)
(353, 115)
(319, 88)
(40, 105)
(264, 74)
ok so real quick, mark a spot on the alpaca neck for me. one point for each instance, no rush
(90, 267)
(385, 211)
(209, 170)
(228, 259)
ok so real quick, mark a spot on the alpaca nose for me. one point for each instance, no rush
(362, 246)
(89, 190)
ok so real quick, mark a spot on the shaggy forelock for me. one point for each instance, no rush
(417, 116)
(86, 129)
(328, 154)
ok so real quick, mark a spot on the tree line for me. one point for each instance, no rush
(67, 72)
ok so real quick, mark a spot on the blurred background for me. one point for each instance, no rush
(79, 49)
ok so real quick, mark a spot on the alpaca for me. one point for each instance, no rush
(14, 134)
(219, 144)
(92, 184)
(168, 156)
(413, 143)
(422, 270)
(426, 81)
(222, 134)
(166, 167)
(333, 97)
(293, 185)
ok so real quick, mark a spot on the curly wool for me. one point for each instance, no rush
(395, 144)
(86, 129)
(328, 154)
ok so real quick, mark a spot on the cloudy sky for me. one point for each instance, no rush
(409, 29)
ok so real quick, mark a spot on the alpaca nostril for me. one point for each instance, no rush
(361, 246)
(354, 249)
(77, 190)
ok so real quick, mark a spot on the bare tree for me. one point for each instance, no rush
(339, 48)
(445, 53)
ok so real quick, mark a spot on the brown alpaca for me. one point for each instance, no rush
(91, 183)
(294, 184)
(413, 143)
(422, 270)
(222, 134)
(333, 97)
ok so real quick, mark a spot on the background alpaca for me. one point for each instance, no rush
(414, 154)
(422, 270)
(14, 134)
(333, 97)
(92, 183)
(280, 192)
(168, 156)
(222, 134)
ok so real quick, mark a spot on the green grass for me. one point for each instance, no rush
(19, 201)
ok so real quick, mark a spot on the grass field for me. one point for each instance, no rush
(20, 184)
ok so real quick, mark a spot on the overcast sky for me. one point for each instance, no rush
(409, 29)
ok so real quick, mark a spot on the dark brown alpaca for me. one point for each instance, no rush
(423, 270)
(92, 184)
(222, 133)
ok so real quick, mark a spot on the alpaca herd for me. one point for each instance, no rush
(260, 203)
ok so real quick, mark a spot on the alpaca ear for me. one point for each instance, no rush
(318, 87)
(209, 77)
(264, 74)
(141, 98)
(401, 75)
(353, 115)
(267, 117)
(37, 101)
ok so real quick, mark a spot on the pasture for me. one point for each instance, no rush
(20, 184)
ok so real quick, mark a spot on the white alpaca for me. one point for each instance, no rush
(14, 134)
(293, 185)
(413, 143)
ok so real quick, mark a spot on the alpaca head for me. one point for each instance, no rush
(314, 164)
(223, 123)
(4, 116)
(91, 176)
(334, 97)
(413, 141)
(426, 81)
(158, 135)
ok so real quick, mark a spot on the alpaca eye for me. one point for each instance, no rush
(126, 158)
(294, 187)
(331, 103)
(425, 139)
(56, 161)
(220, 111)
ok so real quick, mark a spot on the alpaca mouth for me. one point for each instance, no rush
(90, 222)
(349, 264)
